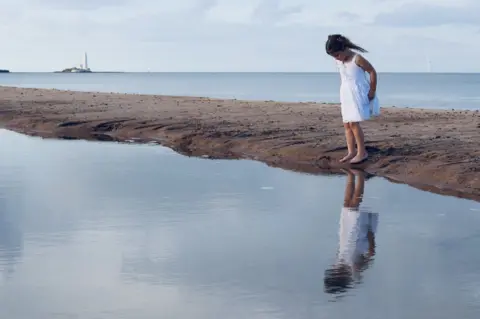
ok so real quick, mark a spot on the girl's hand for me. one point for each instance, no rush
(371, 95)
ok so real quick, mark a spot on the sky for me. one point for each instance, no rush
(237, 35)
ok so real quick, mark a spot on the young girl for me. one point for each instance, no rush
(357, 94)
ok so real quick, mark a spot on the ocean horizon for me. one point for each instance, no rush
(418, 90)
(244, 72)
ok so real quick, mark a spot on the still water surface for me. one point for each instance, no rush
(105, 230)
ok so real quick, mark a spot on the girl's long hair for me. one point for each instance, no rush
(338, 42)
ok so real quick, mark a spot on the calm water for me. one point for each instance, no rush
(97, 230)
(414, 90)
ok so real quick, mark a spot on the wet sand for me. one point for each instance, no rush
(435, 150)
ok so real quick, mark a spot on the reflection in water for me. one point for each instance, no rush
(356, 249)
(151, 234)
(11, 246)
(11, 237)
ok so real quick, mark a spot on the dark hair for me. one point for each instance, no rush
(337, 43)
(338, 280)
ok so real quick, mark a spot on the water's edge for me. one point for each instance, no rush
(306, 168)
(431, 149)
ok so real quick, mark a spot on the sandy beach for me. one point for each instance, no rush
(435, 150)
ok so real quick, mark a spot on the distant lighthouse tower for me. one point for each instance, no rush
(85, 61)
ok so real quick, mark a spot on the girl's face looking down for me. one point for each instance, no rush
(341, 56)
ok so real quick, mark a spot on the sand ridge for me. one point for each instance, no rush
(435, 150)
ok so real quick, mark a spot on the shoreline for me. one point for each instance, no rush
(433, 150)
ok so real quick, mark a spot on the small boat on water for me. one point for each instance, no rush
(4, 71)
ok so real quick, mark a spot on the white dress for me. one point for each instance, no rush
(353, 240)
(354, 102)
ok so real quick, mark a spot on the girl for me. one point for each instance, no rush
(357, 94)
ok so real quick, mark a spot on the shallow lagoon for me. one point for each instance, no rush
(106, 230)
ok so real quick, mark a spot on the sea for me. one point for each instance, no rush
(423, 90)
(103, 230)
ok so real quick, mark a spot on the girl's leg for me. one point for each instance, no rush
(350, 143)
(360, 140)
(349, 190)
(359, 187)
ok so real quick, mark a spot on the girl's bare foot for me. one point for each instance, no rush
(356, 172)
(360, 158)
(348, 157)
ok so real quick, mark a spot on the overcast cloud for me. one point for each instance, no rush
(236, 35)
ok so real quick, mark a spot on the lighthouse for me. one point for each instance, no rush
(82, 69)
(85, 61)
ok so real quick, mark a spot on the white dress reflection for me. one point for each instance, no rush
(356, 249)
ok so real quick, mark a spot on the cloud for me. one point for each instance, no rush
(430, 15)
(78, 4)
(349, 17)
(223, 35)
(270, 12)
(203, 6)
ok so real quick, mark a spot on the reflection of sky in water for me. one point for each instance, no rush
(116, 231)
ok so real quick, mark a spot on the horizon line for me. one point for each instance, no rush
(305, 72)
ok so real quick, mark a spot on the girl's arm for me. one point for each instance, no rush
(365, 65)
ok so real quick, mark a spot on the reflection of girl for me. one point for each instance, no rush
(356, 238)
